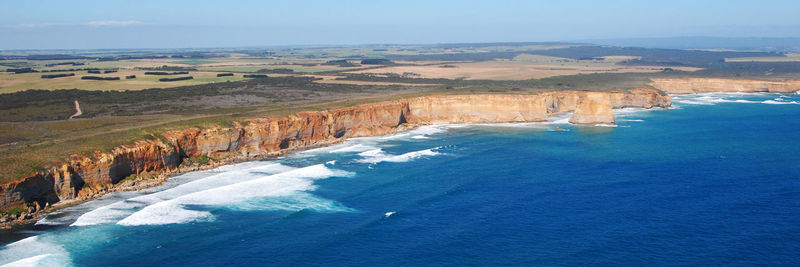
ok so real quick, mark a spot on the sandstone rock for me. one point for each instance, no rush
(593, 112)
(708, 85)
(80, 177)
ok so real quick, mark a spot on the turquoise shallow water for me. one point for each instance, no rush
(714, 180)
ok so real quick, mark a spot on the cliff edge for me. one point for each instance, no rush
(81, 178)
(710, 85)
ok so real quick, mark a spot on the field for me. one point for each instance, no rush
(10, 82)
(790, 57)
(522, 67)
(34, 130)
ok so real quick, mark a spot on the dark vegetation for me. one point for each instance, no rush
(94, 71)
(175, 79)
(52, 76)
(130, 77)
(340, 63)
(649, 56)
(277, 71)
(54, 57)
(376, 61)
(255, 76)
(97, 78)
(21, 70)
(224, 74)
(38, 105)
(65, 63)
(109, 71)
(73, 69)
(652, 56)
(165, 73)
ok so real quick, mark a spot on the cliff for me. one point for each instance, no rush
(82, 177)
(708, 85)
(593, 112)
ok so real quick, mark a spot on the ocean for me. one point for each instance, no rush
(713, 180)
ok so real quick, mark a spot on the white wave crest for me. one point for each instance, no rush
(277, 185)
(774, 102)
(116, 211)
(32, 251)
(378, 155)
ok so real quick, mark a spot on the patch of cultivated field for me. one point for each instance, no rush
(332, 80)
(790, 57)
(522, 67)
(10, 82)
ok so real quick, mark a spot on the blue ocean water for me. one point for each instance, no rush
(714, 180)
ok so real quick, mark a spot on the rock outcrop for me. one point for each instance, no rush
(81, 177)
(709, 85)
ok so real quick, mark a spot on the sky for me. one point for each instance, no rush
(108, 24)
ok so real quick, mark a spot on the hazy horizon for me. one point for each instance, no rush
(203, 24)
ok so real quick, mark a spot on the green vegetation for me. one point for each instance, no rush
(175, 79)
(376, 61)
(165, 73)
(52, 76)
(232, 85)
(13, 211)
(100, 78)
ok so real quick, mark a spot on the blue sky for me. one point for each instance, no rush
(34, 24)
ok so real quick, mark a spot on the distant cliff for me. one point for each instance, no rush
(81, 177)
(707, 85)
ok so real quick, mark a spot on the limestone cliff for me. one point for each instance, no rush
(593, 112)
(707, 85)
(82, 177)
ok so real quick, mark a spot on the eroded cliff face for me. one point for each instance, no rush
(709, 85)
(82, 177)
(591, 111)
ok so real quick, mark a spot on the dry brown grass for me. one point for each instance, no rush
(523, 67)
(10, 82)
(332, 80)
(790, 57)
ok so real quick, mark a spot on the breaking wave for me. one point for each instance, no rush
(378, 155)
(714, 98)
(119, 210)
(32, 251)
(284, 184)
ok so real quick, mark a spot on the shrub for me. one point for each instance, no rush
(175, 79)
(376, 61)
(13, 211)
(224, 74)
(51, 76)
(165, 73)
(99, 78)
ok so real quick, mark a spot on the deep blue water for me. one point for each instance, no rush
(712, 181)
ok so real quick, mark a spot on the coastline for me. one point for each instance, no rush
(151, 162)
(81, 179)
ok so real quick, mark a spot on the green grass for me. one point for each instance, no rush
(13, 211)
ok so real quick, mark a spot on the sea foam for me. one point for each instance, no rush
(277, 185)
(32, 251)
(378, 155)
(119, 210)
